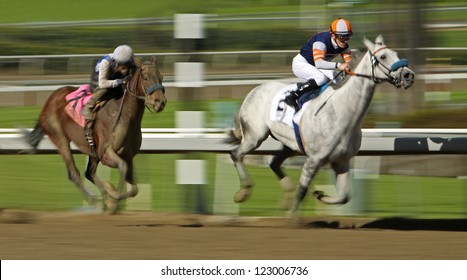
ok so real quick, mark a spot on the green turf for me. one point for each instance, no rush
(40, 181)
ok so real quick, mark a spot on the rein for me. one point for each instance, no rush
(133, 92)
(374, 63)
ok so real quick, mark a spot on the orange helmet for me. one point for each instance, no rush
(342, 27)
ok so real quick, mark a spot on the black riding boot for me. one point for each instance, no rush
(292, 97)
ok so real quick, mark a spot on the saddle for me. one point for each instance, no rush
(77, 100)
(312, 94)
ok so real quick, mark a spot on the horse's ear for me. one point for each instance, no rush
(154, 60)
(379, 40)
(138, 62)
(369, 44)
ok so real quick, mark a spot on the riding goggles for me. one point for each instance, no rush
(343, 38)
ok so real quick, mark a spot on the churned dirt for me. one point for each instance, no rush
(173, 236)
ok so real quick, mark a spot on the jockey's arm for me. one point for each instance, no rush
(104, 82)
(319, 53)
(347, 56)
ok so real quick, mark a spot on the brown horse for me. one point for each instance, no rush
(117, 132)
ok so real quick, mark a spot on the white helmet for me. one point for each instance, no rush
(123, 54)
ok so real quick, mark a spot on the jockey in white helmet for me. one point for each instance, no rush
(111, 71)
(314, 62)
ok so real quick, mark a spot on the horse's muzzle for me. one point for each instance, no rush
(407, 78)
(159, 105)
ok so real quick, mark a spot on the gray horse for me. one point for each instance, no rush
(330, 125)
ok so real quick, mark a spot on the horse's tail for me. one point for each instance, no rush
(234, 134)
(34, 137)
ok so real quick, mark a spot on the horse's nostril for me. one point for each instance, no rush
(409, 75)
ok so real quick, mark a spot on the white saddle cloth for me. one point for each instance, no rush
(281, 112)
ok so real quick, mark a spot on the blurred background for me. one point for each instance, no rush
(49, 43)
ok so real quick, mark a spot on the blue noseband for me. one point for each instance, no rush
(155, 87)
(399, 64)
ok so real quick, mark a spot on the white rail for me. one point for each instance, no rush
(171, 140)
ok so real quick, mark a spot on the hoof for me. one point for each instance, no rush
(287, 200)
(292, 214)
(318, 194)
(133, 192)
(112, 206)
(293, 211)
(241, 196)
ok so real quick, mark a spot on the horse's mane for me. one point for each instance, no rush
(356, 58)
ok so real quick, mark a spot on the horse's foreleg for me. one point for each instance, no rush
(106, 188)
(342, 185)
(309, 170)
(286, 183)
(112, 159)
(90, 174)
(129, 179)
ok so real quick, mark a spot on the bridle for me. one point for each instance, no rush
(133, 89)
(394, 80)
(149, 90)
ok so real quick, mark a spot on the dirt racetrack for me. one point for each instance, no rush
(170, 236)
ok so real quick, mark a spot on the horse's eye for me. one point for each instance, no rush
(145, 77)
(383, 56)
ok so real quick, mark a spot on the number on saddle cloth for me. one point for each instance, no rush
(312, 94)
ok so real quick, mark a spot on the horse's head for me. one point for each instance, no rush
(146, 84)
(387, 66)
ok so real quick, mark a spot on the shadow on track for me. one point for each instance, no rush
(397, 223)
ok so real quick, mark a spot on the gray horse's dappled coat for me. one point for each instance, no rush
(330, 126)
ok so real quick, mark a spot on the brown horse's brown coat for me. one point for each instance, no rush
(117, 132)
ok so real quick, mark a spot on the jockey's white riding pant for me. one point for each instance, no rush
(304, 70)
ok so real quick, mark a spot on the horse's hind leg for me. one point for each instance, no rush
(247, 145)
(287, 184)
(73, 174)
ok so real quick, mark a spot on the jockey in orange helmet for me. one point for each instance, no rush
(314, 62)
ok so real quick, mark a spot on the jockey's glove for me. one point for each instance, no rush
(126, 79)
